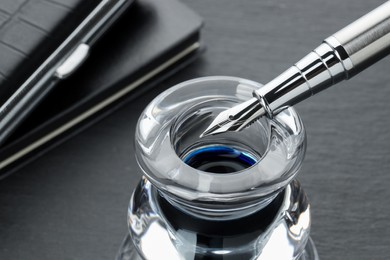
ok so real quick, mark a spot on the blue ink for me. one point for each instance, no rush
(219, 159)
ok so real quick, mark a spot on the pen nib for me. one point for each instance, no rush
(219, 125)
(235, 118)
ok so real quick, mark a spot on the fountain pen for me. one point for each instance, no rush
(339, 57)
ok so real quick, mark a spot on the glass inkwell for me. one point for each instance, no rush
(227, 196)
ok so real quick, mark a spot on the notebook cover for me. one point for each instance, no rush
(150, 41)
(30, 31)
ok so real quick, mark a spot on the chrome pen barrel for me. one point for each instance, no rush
(366, 40)
(339, 57)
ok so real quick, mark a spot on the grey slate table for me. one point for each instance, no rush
(71, 203)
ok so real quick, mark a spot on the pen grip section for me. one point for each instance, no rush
(317, 71)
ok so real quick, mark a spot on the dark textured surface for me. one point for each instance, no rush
(71, 203)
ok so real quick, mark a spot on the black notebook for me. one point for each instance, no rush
(150, 41)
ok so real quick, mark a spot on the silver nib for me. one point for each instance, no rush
(236, 118)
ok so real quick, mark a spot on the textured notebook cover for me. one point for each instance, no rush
(30, 30)
(150, 40)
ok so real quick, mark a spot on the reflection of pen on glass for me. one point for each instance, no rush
(339, 57)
